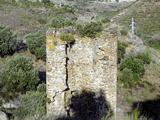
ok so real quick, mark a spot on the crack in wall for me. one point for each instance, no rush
(67, 93)
(66, 66)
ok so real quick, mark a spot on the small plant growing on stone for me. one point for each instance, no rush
(68, 38)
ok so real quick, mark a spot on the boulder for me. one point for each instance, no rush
(3, 116)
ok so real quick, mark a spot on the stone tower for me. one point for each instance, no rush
(90, 64)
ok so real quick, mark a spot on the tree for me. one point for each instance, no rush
(8, 41)
(33, 104)
(19, 75)
(37, 45)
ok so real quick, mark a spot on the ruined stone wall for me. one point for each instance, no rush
(90, 64)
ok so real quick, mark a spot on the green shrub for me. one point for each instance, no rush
(128, 77)
(66, 9)
(134, 64)
(40, 53)
(19, 75)
(123, 32)
(60, 22)
(67, 37)
(8, 41)
(145, 57)
(154, 41)
(89, 29)
(45, 1)
(132, 68)
(30, 4)
(41, 87)
(156, 38)
(121, 50)
(32, 104)
(69, 9)
(105, 20)
(42, 21)
(135, 115)
(37, 45)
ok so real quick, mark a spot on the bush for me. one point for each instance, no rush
(123, 32)
(156, 38)
(69, 9)
(60, 22)
(132, 68)
(105, 20)
(19, 75)
(40, 53)
(154, 41)
(37, 45)
(69, 38)
(128, 77)
(45, 1)
(32, 104)
(41, 87)
(121, 50)
(8, 41)
(134, 64)
(90, 29)
(145, 57)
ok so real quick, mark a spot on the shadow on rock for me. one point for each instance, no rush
(88, 106)
(149, 109)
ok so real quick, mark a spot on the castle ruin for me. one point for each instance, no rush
(89, 64)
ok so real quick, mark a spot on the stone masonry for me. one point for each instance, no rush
(89, 64)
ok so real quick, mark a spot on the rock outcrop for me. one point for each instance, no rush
(89, 64)
(3, 116)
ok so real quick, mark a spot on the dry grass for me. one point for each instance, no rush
(152, 74)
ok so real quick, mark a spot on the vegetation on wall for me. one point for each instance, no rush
(68, 38)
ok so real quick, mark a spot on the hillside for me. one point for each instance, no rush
(87, 33)
(146, 15)
(23, 48)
